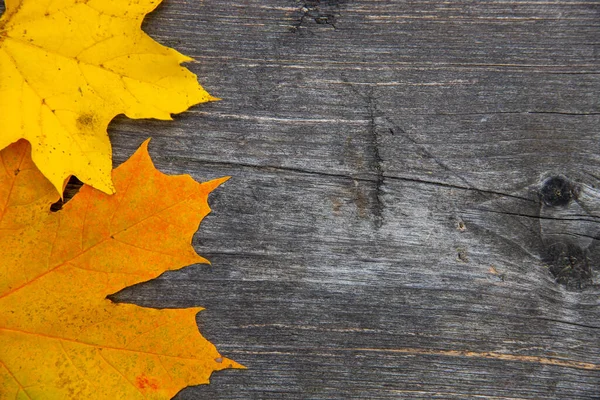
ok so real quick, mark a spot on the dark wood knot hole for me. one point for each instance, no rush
(558, 191)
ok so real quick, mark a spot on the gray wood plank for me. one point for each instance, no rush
(384, 233)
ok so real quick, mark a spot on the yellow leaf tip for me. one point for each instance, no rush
(186, 59)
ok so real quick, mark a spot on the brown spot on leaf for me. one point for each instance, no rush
(2, 30)
(143, 382)
(86, 122)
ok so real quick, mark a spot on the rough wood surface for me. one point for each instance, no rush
(383, 235)
(387, 232)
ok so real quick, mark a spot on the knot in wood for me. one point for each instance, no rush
(558, 191)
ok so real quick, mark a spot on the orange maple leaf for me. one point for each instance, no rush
(60, 337)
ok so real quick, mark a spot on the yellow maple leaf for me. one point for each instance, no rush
(60, 337)
(68, 67)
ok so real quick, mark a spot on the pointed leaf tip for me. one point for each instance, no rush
(144, 144)
(213, 184)
(142, 153)
(229, 363)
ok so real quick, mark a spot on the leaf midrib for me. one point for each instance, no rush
(65, 262)
(98, 346)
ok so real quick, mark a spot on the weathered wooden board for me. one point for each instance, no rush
(361, 136)
(383, 234)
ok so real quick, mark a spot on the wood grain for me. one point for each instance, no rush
(383, 235)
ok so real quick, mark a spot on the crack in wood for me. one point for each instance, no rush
(377, 161)
(313, 9)
(515, 214)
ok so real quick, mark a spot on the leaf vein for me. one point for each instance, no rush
(21, 387)
(99, 352)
